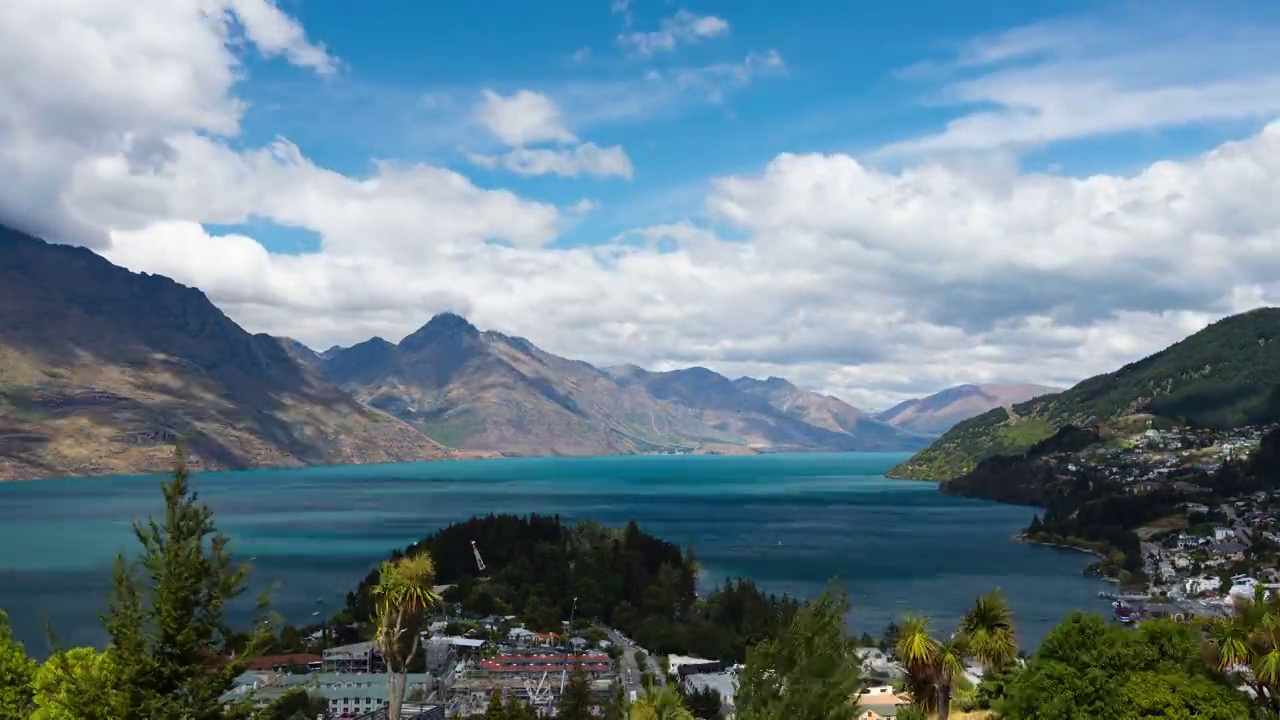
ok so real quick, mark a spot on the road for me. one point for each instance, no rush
(629, 673)
(1242, 530)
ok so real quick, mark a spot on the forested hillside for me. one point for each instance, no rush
(1224, 376)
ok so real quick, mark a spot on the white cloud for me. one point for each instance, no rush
(584, 159)
(527, 118)
(841, 276)
(580, 55)
(1087, 76)
(868, 284)
(522, 118)
(683, 27)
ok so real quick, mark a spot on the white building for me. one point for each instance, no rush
(1196, 586)
(1222, 534)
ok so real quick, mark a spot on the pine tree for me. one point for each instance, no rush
(575, 702)
(615, 704)
(169, 636)
(495, 710)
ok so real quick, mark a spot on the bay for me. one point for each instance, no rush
(789, 522)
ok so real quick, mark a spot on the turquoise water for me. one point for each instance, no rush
(789, 522)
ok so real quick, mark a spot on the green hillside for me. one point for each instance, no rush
(1226, 375)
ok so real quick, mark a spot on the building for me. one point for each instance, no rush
(514, 665)
(725, 684)
(409, 711)
(351, 695)
(1221, 534)
(880, 702)
(677, 663)
(1196, 586)
(359, 657)
(520, 637)
(1188, 541)
(295, 662)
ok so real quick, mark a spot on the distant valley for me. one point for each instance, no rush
(102, 370)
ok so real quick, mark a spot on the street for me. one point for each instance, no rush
(628, 672)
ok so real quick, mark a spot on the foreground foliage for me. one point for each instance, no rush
(402, 596)
(935, 666)
(1087, 668)
(810, 671)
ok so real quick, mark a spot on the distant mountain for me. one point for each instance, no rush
(487, 391)
(937, 413)
(829, 413)
(1225, 376)
(102, 369)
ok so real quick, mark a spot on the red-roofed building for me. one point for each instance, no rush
(594, 665)
(280, 663)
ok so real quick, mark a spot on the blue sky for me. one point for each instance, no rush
(878, 200)
(852, 83)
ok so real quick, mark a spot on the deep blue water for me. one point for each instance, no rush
(789, 522)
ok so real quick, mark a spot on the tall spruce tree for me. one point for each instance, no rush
(575, 702)
(166, 612)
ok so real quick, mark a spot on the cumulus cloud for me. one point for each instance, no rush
(527, 118)
(682, 28)
(117, 78)
(1087, 76)
(522, 118)
(871, 284)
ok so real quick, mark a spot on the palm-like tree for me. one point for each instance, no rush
(401, 596)
(988, 626)
(1248, 641)
(986, 633)
(659, 702)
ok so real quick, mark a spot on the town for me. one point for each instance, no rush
(461, 673)
(1202, 544)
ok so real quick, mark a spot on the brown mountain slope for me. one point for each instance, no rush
(829, 413)
(101, 369)
(487, 391)
(937, 413)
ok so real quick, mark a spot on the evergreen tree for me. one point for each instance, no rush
(79, 684)
(575, 702)
(169, 636)
(495, 710)
(808, 672)
(517, 709)
(615, 703)
(16, 673)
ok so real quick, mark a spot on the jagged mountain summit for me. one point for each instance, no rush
(101, 369)
(485, 391)
(939, 412)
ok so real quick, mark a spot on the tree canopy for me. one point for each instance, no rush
(1088, 668)
(537, 565)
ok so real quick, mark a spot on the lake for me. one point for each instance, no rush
(789, 522)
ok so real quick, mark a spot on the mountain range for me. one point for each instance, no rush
(1225, 376)
(103, 369)
(937, 413)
